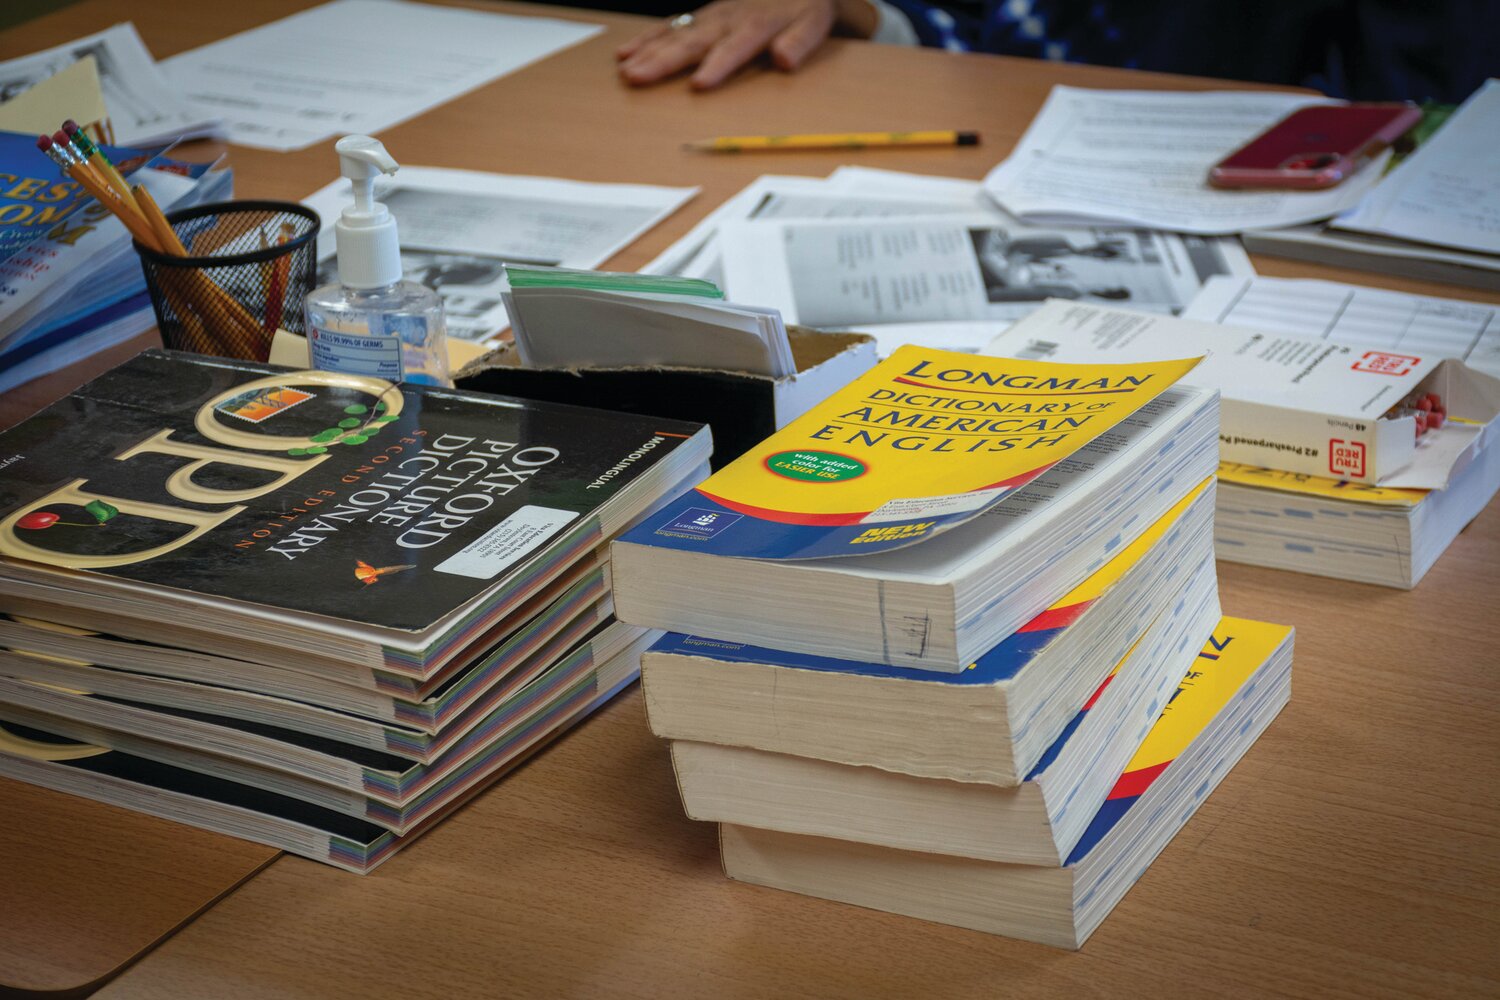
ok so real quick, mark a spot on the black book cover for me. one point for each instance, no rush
(313, 492)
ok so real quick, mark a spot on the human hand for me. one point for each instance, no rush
(726, 34)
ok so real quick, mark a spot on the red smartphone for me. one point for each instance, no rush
(1315, 147)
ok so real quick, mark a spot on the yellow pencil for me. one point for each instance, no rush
(832, 140)
(94, 157)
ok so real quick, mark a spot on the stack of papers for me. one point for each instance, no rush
(459, 227)
(1435, 216)
(357, 66)
(145, 109)
(590, 319)
(1423, 325)
(1448, 191)
(1142, 158)
(927, 260)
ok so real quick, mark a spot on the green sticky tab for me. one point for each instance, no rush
(611, 281)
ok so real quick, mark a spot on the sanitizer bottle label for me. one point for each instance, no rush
(356, 354)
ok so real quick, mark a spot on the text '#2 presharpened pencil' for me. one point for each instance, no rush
(832, 140)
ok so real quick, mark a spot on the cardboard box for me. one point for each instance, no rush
(1315, 407)
(742, 409)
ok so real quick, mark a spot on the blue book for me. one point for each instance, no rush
(989, 723)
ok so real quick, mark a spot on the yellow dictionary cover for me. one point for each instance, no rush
(924, 441)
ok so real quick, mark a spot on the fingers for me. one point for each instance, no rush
(669, 53)
(802, 37)
(744, 42)
(633, 46)
(726, 35)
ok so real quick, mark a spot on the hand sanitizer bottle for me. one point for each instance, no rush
(372, 322)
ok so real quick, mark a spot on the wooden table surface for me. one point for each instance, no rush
(1353, 853)
(85, 888)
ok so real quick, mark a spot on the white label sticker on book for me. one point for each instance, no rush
(506, 543)
(910, 507)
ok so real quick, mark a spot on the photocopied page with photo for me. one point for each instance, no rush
(145, 109)
(1142, 157)
(844, 273)
(458, 227)
(1353, 314)
(296, 81)
(681, 258)
(699, 254)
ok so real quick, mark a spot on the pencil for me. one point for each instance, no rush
(201, 283)
(831, 140)
(194, 295)
(96, 159)
(158, 221)
(281, 271)
(102, 193)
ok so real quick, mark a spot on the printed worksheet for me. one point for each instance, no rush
(1352, 314)
(850, 273)
(1448, 191)
(358, 66)
(1142, 158)
(144, 108)
(458, 227)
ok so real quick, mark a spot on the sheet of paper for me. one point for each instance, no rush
(458, 227)
(966, 336)
(144, 108)
(358, 66)
(1352, 314)
(678, 258)
(1448, 191)
(852, 273)
(697, 254)
(1326, 243)
(73, 93)
(873, 180)
(1142, 157)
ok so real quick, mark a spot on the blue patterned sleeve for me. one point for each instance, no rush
(941, 28)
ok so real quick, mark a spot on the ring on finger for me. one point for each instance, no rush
(681, 21)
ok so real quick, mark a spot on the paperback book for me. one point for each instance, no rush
(391, 788)
(1335, 528)
(318, 831)
(1036, 822)
(1219, 710)
(939, 580)
(335, 517)
(990, 723)
(190, 681)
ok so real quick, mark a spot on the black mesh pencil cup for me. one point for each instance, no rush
(246, 269)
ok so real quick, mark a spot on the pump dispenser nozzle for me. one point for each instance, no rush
(369, 250)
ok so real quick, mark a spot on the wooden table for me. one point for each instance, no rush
(1353, 852)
